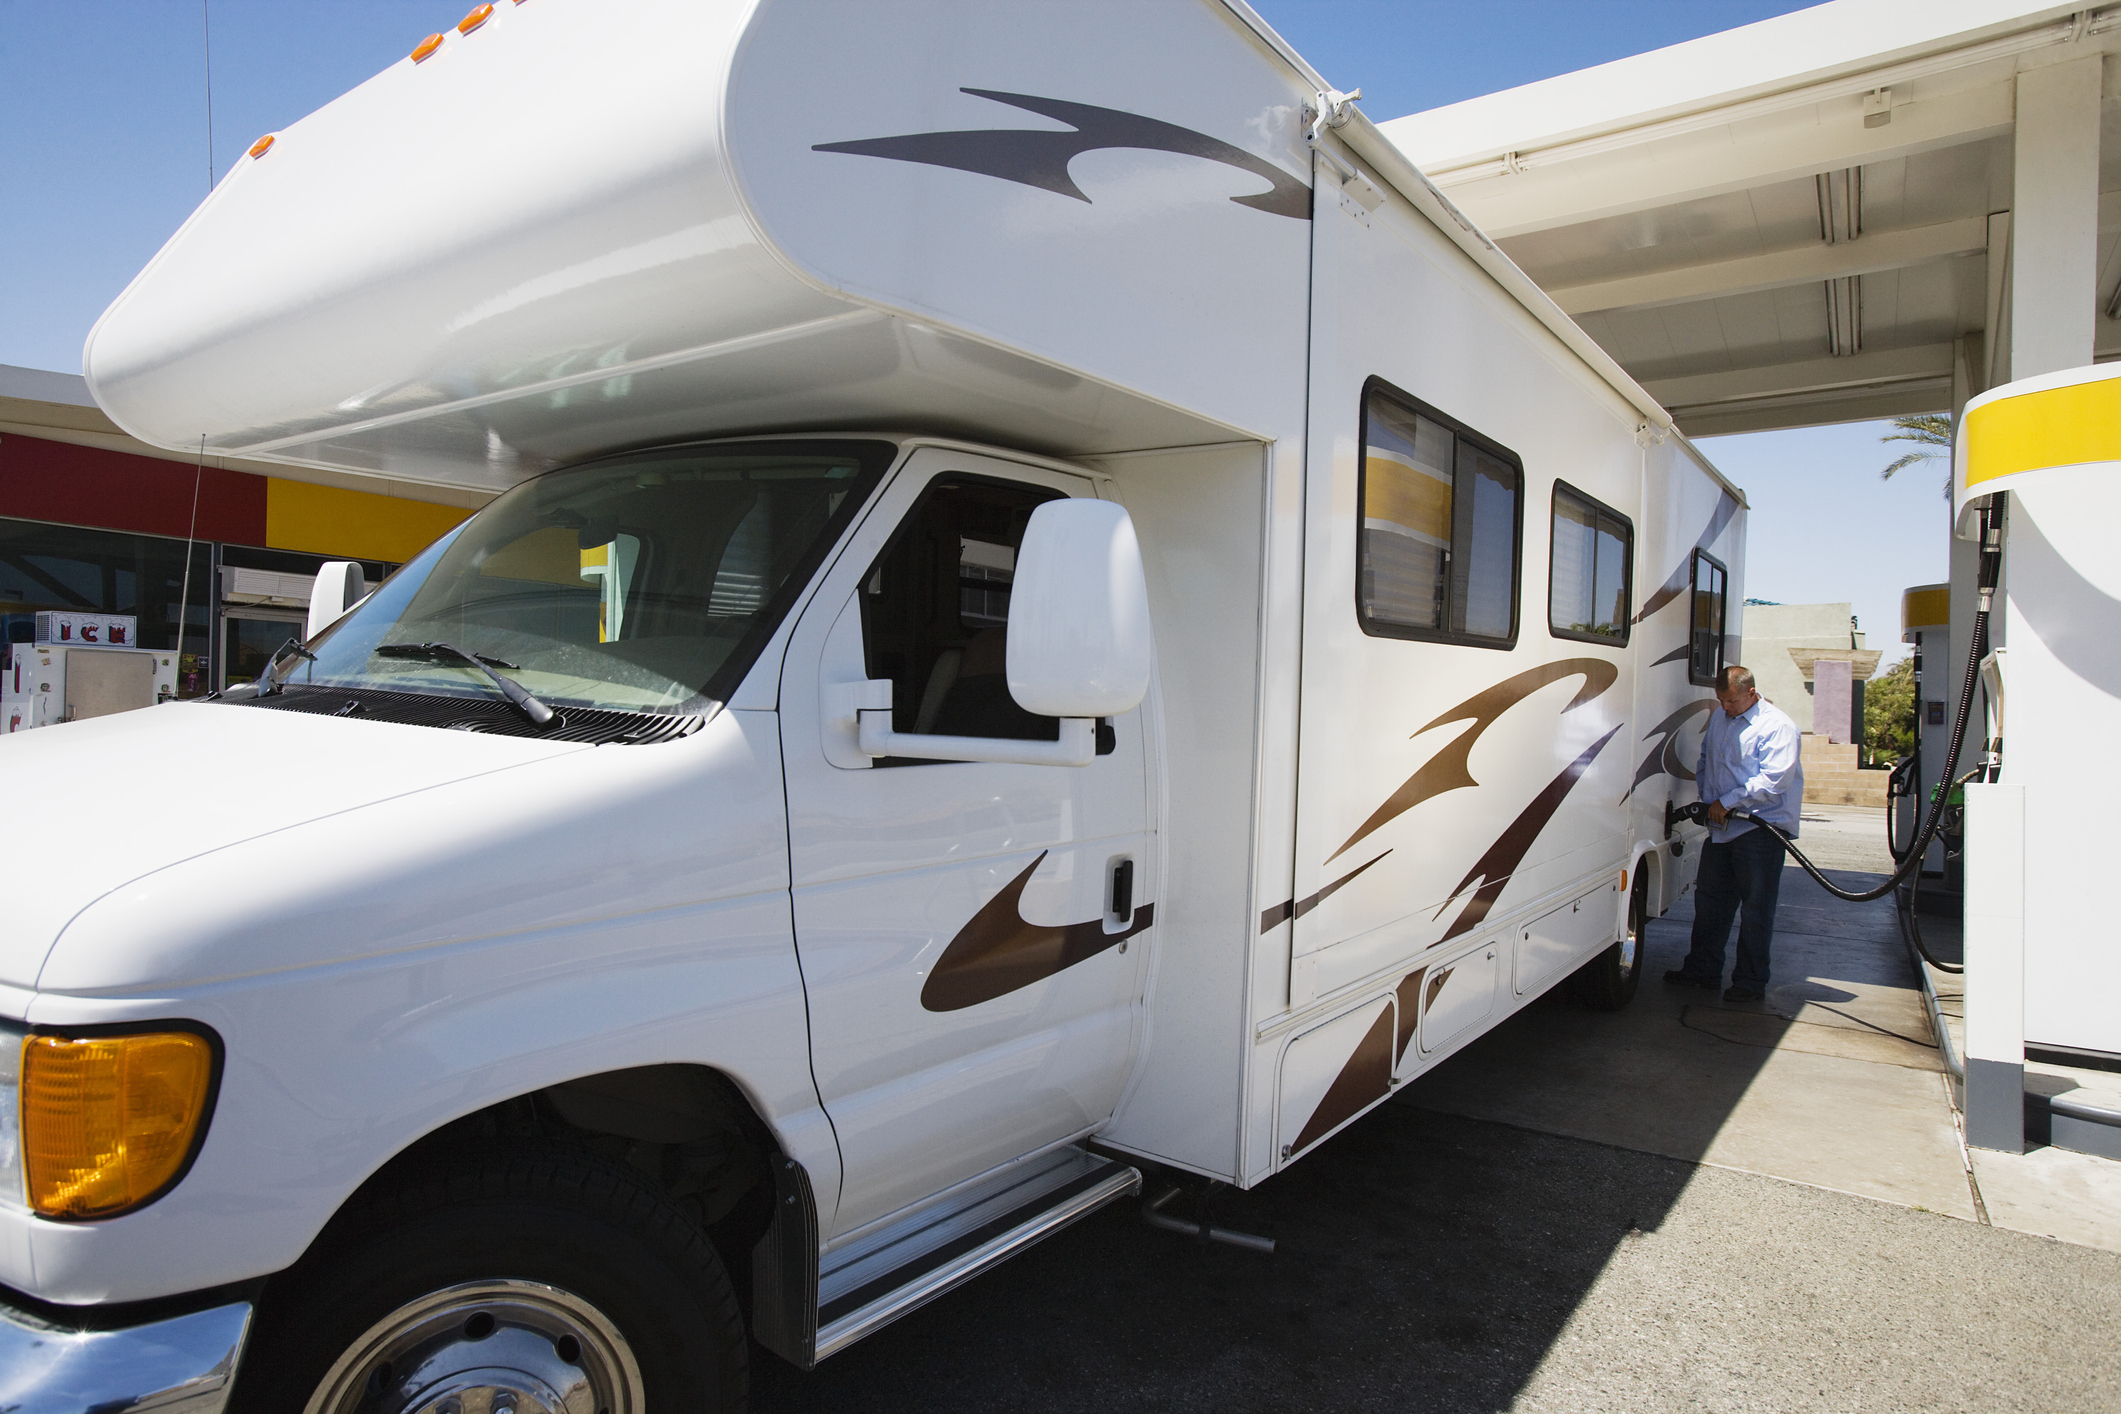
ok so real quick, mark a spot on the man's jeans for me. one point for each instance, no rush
(1745, 873)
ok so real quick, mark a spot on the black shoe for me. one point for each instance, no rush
(1743, 994)
(1684, 978)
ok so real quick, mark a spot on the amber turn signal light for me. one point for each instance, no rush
(262, 146)
(426, 47)
(477, 17)
(109, 1121)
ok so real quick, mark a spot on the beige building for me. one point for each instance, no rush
(1784, 646)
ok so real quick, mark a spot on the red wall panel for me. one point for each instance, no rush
(59, 481)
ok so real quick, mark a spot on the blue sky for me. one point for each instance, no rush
(103, 152)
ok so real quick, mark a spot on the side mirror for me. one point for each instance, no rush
(1079, 645)
(1079, 641)
(339, 587)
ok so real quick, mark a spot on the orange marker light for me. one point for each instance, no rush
(476, 18)
(426, 47)
(107, 1121)
(262, 146)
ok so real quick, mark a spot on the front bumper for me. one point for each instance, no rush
(180, 1365)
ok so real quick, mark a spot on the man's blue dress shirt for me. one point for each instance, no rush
(1751, 762)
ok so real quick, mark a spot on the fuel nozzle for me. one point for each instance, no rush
(1695, 813)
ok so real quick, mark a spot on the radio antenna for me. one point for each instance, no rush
(184, 595)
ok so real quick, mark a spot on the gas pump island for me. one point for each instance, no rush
(2042, 458)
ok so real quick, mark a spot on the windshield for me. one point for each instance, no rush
(646, 583)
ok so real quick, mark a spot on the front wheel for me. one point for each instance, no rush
(538, 1282)
(1608, 981)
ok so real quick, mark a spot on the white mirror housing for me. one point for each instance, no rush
(339, 586)
(1079, 640)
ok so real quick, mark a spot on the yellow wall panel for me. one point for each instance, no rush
(357, 525)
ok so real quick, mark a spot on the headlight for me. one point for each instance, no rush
(97, 1125)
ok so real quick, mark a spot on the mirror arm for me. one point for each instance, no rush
(1077, 745)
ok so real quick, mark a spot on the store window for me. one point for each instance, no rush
(1588, 595)
(44, 566)
(1705, 645)
(1440, 527)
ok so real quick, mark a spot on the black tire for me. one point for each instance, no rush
(573, 1256)
(1608, 981)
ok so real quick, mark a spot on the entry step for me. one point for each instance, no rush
(870, 1283)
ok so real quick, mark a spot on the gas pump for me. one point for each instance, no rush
(2042, 971)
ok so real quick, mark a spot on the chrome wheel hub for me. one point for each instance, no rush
(486, 1347)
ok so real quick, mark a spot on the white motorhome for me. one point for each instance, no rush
(1050, 611)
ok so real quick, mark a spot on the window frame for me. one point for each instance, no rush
(908, 523)
(1723, 615)
(1388, 628)
(1627, 572)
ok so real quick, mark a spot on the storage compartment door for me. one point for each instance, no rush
(1552, 945)
(1457, 997)
(1334, 1072)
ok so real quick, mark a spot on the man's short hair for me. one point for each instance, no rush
(1735, 679)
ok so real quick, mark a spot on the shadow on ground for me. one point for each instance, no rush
(1431, 1260)
(1427, 1262)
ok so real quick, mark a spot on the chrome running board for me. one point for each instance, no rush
(871, 1283)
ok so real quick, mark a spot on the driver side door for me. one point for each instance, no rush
(973, 980)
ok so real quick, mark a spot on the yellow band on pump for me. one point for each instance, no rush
(2064, 426)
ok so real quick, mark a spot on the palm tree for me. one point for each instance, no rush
(1931, 432)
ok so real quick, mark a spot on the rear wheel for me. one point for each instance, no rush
(538, 1282)
(1608, 981)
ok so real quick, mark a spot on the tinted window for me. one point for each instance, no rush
(1705, 645)
(1588, 596)
(935, 612)
(1437, 543)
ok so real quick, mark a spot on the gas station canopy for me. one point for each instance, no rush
(1810, 219)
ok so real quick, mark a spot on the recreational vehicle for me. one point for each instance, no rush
(1050, 612)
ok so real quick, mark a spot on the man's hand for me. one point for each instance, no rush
(1717, 814)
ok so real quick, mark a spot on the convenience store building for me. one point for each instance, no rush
(95, 521)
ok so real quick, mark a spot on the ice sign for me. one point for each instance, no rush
(68, 628)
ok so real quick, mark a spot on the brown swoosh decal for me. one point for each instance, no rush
(1436, 985)
(1365, 1078)
(998, 952)
(1496, 866)
(1446, 770)
(1677, 584)
(1678, 655)
(1409, 1012)
(1663, 758)
(1282, 912)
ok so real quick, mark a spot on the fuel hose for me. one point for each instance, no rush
(1977, 649)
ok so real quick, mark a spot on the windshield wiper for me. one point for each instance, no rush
(267, 684)
(514, 691)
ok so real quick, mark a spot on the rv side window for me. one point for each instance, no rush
(1589, 567)
(935, 612)
(1705, 647)
(1437, 546)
